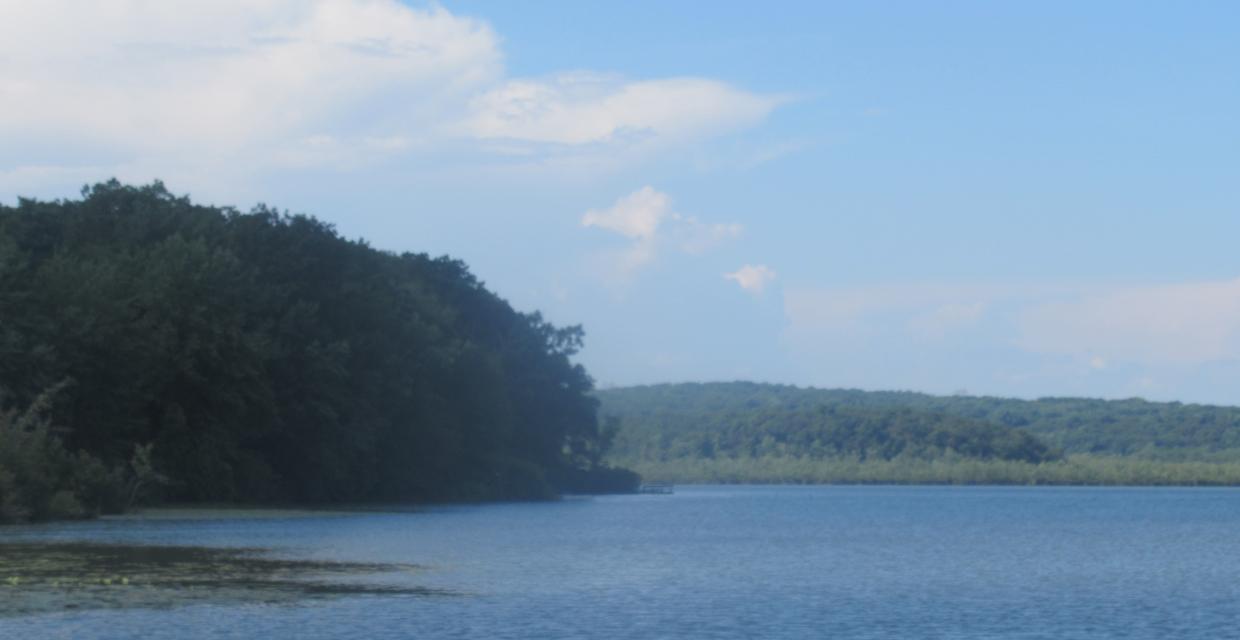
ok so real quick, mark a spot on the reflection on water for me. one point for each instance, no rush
(42, 577)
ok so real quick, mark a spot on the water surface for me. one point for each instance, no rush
(724, 562)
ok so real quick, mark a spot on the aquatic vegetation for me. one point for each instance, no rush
(41, 577)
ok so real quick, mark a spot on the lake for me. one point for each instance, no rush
(722, 562)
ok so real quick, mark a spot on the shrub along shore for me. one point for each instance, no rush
(1085, 470)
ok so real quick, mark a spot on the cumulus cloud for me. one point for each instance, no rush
(235, 87)
(752, 277)
(637, 215)
(647, 219)
(134, 77)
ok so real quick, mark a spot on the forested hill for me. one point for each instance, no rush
(687, 420)
(264, 357)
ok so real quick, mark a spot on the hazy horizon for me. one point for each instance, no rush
(958, 392)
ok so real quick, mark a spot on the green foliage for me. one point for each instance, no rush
(689, 422)
(39, 478)
(747, 432)
(1162, 430)
(266, 358)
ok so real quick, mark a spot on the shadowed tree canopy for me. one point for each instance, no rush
(266, 358)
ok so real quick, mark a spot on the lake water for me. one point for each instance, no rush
(730, 562)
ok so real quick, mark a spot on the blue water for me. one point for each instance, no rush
(734, 562)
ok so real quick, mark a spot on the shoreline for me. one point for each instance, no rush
(1076, 470)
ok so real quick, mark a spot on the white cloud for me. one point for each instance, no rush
(646, 217)
(637, 215)
(697, 237)
(192, 78)
(227, 89)
(752, 278)
(583, 108)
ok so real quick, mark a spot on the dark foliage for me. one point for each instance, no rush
(263, 357)
(41, 480)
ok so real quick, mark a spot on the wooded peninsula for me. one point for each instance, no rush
(153, 347)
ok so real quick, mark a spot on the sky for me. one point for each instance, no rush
(1021, 199)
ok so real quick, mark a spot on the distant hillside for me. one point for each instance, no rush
(1083, 425)
(687, 421)
(761, 431)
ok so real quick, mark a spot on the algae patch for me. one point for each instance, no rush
(41, 577)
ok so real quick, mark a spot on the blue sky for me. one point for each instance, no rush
(1020, 199)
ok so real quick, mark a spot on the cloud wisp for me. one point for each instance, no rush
(637, 215)
(1129, 339)
(646, 218)
(1190, 323)
(921, 311)
(582, 108)
(753, 278)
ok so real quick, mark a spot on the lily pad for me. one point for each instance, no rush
(42, 577)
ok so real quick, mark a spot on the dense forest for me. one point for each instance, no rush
(762, 432)
(150, 343)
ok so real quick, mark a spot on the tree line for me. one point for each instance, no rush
(753, 421)
(764, 432)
